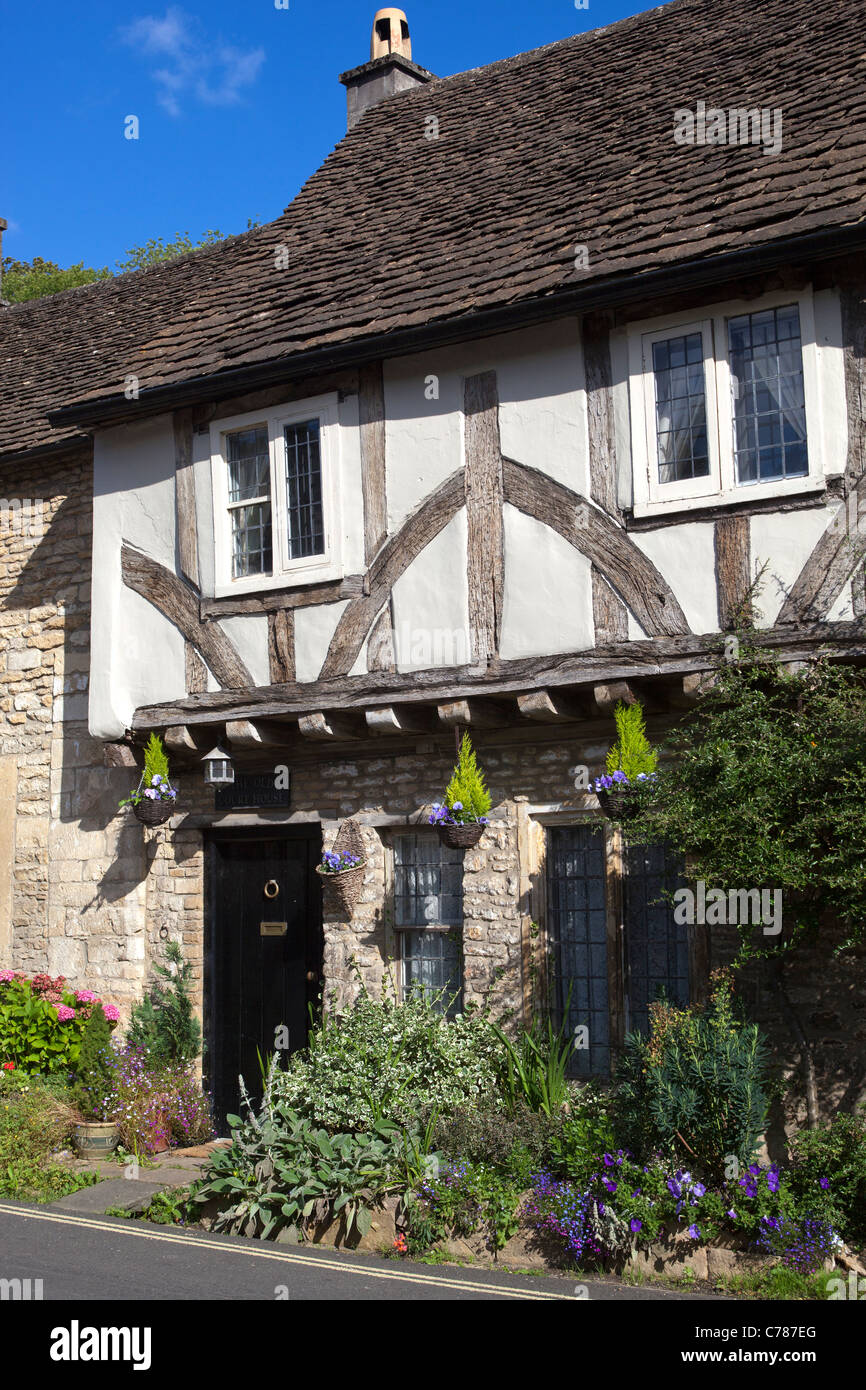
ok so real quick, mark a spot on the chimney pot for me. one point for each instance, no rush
(390, 34)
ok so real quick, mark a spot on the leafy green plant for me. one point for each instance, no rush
(164, 1024)
(36, 1118)
(533, 1068)
(93, 1092)
(464, 1198)
(696, 1087)
(828, 1173)
(42, 1022)
(381, 1060)
(631, 754)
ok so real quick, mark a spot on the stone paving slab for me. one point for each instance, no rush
(132, 1194)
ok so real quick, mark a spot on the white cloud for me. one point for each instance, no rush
(197, 68)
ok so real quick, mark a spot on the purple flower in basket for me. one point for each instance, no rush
(337, 863)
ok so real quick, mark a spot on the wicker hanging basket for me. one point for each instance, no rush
(152, 812)
(460, 836)
(344, 888)
(619, 805)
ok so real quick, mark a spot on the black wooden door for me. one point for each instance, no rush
(264, 955)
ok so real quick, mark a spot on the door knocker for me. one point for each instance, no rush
(272, 888)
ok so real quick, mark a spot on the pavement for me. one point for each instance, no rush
(80, 1257)
(129, 1186)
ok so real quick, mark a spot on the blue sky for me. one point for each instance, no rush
(238, 103)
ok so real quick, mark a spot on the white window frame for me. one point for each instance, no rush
(721, 487)
(309, 568)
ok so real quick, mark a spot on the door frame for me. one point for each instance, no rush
(310, 831)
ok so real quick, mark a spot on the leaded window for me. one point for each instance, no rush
(681, 408)
(428, 917)
(611, 959)
(306, 526)
(249, 493)
(768, 395)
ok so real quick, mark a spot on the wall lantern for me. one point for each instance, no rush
(218, 769)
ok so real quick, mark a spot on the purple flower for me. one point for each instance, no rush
(695, 1232)
(732, 1214)
(610, 1185)
(635, 1225)
(773, 1180)
(698, 1189)
(824, 1182)
(608, 1161)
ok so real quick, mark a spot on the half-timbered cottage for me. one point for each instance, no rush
(494, 426)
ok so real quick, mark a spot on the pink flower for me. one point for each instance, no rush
(86, 996)
(64, 1013)
(6, 976)
(111, 1011)
(8, 1066)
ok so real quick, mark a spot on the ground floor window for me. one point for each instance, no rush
(428, 916)
(614, 942)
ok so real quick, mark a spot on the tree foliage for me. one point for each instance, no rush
(467, 790)
(631, 753)
(164, 1023)
(766, 790)
(34, 279)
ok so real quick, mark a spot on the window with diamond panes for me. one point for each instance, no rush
(768, 395)
(306, 525)
(577, 925)
(249, 486)
(681, 408)
(656, 947)
(428, 916)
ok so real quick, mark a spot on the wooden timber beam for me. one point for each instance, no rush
(179, 741)
(477, 714)
(392, 720)
(669, 657)
(179, 602)
(550, 708)
(246, 733)
(608, 695)
(328, 726)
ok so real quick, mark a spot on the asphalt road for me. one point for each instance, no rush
(88, 1258)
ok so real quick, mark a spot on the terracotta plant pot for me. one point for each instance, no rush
(343, 888)
(460, 836)
(95, 1138)
(152, 812)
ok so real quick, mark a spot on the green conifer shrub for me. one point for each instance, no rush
(466, 795)
(631, 753)
(164, 1024)
(94, 1087)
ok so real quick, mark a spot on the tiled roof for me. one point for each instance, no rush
(569, 144)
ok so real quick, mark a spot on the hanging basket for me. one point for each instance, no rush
(622, 805)
(344, 888)
(460, 836)
(152, 812)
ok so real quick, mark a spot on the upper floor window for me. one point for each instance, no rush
(725, 407)
(275, 501)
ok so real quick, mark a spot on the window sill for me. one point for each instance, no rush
(805, 492)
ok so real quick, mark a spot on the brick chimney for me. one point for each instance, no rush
(390, 69)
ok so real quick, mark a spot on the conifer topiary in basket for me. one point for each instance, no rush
(461, 818)
(631, 763)
(153, 800)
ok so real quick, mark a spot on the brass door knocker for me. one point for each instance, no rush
(272, 888)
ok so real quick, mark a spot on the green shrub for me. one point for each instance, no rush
(385, 1061)
(532, 1068)
(514, 1143)
(42, 1022)
(164, 1024)
(36, 1120)
(93, 1092)
(631, 753)
(462, 1199)
(284, 1174)
(696, 1088)
(828, 1173)
(466, 795)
